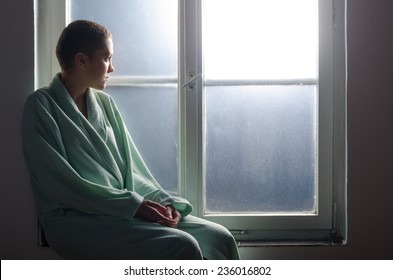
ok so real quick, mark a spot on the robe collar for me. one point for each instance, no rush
(94, 127)
(95, 116)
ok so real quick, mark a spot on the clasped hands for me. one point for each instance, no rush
(155, 212)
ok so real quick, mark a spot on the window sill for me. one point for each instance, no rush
(288, 243)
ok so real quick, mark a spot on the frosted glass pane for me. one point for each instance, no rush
(150, 114)
(144, 33)
(260, 152)
(260, 39)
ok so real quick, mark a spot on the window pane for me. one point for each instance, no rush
(260, 39)
(150, 114)
(260, 153)
(144, 33)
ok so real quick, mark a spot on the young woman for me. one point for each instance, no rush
(95, 197)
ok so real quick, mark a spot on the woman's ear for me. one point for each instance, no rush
(80, 60)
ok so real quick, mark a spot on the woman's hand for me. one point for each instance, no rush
(173, 214)
(155, 212)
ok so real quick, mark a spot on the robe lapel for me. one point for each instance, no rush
(94, 128)
(95, 116)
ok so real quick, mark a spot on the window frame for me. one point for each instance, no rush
(327, 224)
(330, 224)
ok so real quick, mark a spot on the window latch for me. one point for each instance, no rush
(192, 78)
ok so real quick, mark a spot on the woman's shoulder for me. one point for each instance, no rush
(40, 97)
(37, 108)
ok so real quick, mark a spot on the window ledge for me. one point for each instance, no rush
(287, 243)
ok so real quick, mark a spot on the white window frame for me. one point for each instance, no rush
(330, 222)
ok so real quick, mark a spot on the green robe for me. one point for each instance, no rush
(89, 179)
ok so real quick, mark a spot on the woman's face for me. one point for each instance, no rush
(99, 66)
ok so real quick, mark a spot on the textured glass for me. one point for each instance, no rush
(260, 149)
(144, 33)
(150, 114)
(260, 39)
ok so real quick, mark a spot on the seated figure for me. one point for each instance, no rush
(95, 196)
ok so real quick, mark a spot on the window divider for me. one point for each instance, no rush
(258, 82)
(116, 80)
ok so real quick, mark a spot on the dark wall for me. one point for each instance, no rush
(16, 74)
(370, 136)
(370, 128)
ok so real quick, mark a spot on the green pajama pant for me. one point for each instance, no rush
(75, 235)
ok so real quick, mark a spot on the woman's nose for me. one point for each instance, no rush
(111, 68)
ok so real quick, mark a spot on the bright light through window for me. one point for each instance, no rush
(260, 39)
(260, 96)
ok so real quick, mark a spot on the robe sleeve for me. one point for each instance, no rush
(56, 184)
(144, 182)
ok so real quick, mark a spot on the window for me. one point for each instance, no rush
(237, 105)
(260, 106)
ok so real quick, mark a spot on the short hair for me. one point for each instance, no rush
(80, 36)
